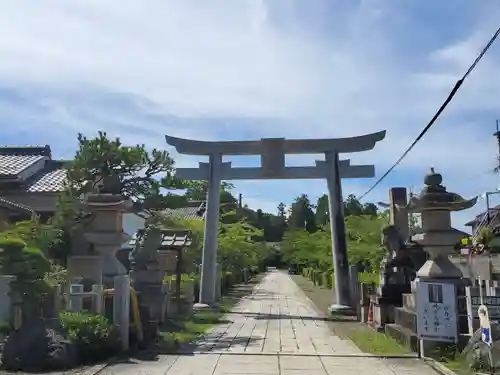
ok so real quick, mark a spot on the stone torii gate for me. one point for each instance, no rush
(272, 152)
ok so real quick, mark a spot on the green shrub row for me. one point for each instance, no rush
(327, 278)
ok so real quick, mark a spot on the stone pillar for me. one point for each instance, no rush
(121, 308)
(97, 299)
(209, 259)
(218, 283)
(437, 239)
(75, 299)
(398, 214)
(337, 226)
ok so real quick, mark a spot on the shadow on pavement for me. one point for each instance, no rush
(261, 316)
(205, 343)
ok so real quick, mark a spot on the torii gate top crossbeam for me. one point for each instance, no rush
(286, 146)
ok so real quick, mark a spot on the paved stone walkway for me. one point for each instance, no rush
(273, 331)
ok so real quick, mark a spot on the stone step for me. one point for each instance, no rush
(405, 318)
(409, 301)
(403, 335)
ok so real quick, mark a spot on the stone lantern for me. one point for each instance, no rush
(105, 232)
(437, 237)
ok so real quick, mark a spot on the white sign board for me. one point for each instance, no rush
(437, 312)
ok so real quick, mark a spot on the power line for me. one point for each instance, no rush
(438, 113)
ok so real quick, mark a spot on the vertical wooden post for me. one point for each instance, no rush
(468, 302)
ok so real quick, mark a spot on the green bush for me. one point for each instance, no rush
(93, 335)
(369, 278)
(184, 277)
(30, 266)
(5, 328)
(327, 279)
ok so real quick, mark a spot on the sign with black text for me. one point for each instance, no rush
(437, 318)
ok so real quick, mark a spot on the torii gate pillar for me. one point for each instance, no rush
(338, 233)
(209, 257)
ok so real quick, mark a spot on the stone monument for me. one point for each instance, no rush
(399, 266)
(272, 153)
(147, 279)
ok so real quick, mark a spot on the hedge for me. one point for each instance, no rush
(327, 278)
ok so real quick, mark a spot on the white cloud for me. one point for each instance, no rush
(315, 70)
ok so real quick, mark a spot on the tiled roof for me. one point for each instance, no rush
(51, 181)
(15, 206)
(186, 213)
(480, 217)
(171, 238)
(12, 165)
(26, 150)
(31, 169)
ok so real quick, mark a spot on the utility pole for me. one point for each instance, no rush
(411, 225)
(240, 200)
(497, 136)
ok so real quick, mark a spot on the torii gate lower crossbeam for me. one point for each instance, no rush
(272, 153)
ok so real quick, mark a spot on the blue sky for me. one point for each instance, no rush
(247, 69)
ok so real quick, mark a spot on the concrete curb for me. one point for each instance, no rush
(285, 354)
(438, 367)
(97, 369)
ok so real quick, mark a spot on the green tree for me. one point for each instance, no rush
(352, 206)
(105, 165)
(322, 211)
(313, 249)
(101, 163)
(197, 191)
(370, 209)
(302, 214)
(29, 265)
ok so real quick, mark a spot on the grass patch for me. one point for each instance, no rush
(450, 356)
(347, 327)
(179, 332)
(371, 341)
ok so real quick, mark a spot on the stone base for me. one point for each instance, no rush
(201, 306)
(179, 307)
(205, 307)
(410, 340)
(404, 336)
(340, 309)
(405, 318)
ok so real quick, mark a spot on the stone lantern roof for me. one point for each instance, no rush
(434, 196)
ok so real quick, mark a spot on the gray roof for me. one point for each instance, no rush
(48, 180)
(31, 170)
(5, 203)
(171, 238)
(194, 212)
(13, 165)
